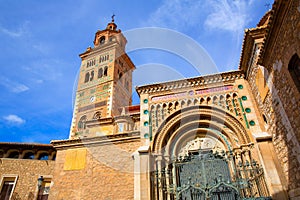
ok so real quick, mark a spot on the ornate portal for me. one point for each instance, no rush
(208, 174)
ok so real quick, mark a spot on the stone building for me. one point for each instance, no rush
(21, 167)
(232, 135)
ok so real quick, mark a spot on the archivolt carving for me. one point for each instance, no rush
(228, 102)
(201, 143)
(208, 116)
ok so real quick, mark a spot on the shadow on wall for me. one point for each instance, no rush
(284, 101)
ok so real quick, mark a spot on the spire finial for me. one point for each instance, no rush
(113, 18)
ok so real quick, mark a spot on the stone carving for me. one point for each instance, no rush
(202, 143)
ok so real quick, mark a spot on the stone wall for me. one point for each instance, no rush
(282, 103)
(28, 172)
(107, 172)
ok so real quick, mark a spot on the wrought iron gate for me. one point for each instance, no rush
(208, 175)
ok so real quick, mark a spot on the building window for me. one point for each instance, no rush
(43, 156)
(97, 115)
(102, 40)
(265, 119)
(44, 189)
(7, 187)
(28, 155)
(120, 75)
(100, 73)
(90, 63)
(294, 69)
(82, 123)
(87, 77)
(14, 154)
(92, 75)
(105, 71)
(121, 127)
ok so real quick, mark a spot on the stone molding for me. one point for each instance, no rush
(215, 113)
(207, 81)
(99, 140)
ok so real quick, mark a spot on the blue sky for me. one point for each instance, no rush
(40, 42)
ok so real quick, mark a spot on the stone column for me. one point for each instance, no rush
(274, 177)
(141, 174)
(159, 168)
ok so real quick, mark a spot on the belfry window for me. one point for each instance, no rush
(102, 40)
(87, 77)
(120, 75)
(100, 73)
(105, 71)
(92, 75)
(294, 69)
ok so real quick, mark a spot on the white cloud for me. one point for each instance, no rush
(23, 29)
(14, 119)
(13, 86)
(177, 14)
(228, 15)
(45, 69)
(225, 15)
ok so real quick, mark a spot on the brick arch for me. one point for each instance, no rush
(214, 117)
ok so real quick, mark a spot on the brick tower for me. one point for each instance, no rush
(104, 84)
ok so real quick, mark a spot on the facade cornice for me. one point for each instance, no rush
(26, 145)
(247, 46)
(278, 12)
(208, 80)
(98, 140)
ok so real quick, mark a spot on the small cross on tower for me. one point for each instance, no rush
(113, 17)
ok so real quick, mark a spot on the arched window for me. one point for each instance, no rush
(43, 156)
(87, 77)
(97, 115)
(208, 100)
(112, 39)
(120, 75)
(92, 75)
(100, 73)
(105, 71)
(29, 155)
(82, 123)
(294, 69)
(13, 154)
(265, 119)
(102, 40)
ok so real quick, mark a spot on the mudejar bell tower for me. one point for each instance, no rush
(104, 84)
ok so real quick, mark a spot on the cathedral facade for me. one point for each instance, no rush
(232, 135)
